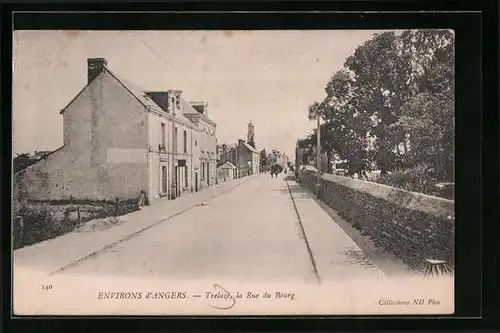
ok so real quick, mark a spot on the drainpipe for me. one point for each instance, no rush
(236, 160)
(318, 157)
(192, 166)
(148, 171)
(173, 193)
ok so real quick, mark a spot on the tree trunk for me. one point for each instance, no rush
(438, 162)
(328, 161)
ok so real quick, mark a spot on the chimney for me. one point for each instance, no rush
(175, 100)
(94, 67)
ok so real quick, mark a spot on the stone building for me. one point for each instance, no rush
(245, 157)
(123, 142)
(251, 134)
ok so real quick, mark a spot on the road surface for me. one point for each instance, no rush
(251, 233)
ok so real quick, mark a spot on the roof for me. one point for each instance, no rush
(303, 143)
(40, 159)
(189, 109)
(139, 94)
(40, 154)
(145, 100)
(252, 149)
(199, 108)
(231, 165)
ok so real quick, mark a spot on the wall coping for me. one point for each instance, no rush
(435, 206)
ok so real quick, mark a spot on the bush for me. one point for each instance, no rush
(47, 220)
(39, 224)
(415, 179)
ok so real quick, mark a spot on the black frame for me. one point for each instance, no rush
(471, 78)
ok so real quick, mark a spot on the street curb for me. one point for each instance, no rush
(376, 255)
(123, 239)
(309, 250)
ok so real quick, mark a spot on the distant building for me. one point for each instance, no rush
(301, 154)
(222, 149)
(245, 157)
(226, 170)
(251, 134)
(276, 157)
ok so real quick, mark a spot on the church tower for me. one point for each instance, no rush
(251, 134)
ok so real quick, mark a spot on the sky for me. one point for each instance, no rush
(267, 77)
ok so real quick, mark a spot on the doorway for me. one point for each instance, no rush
(196, 182)
(164, 180)
(186, 177)
(208, 174)
(177, 187)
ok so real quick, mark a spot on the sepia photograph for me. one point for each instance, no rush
(233, 172)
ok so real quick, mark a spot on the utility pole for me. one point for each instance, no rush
(236, 159)
(318, 156)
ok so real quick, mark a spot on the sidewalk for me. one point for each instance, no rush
(336, 255)
(54, 254)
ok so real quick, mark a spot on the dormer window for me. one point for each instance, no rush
(173, 104)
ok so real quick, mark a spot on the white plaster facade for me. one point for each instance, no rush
(119, 142)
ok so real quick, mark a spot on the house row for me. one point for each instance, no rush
(244, 158)
(276, 157)
(123, 142)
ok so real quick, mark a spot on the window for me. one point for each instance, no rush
(203, 170)
(163, 135)
(185, 141)
(172, 105)
(176, 138)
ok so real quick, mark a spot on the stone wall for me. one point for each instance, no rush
(412, 226)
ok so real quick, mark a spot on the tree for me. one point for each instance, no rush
(346, 126)
(263, 158)
(430, 122)
(428, 115)
(381, 78)
(390, 71)
(392, 104)
(21, 162)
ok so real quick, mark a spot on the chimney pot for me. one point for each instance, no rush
(94, 67)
